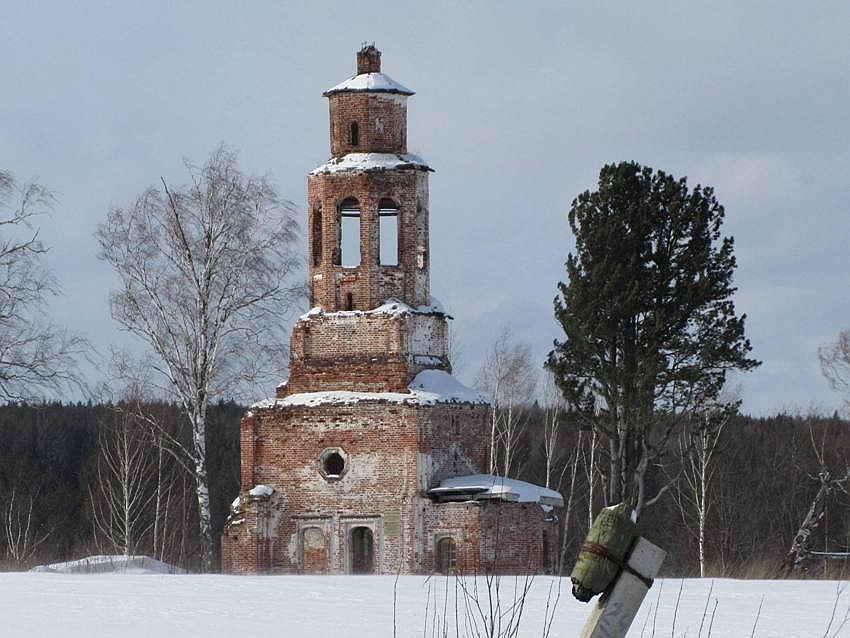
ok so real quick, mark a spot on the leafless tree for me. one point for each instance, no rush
(554, 407)
(36, 356)
(698, 443)
(590, 467)
(456, 351)
(205, 274)
(828, 484)
(23, 535)
(124, 490)
(835, 363)
(509, 375)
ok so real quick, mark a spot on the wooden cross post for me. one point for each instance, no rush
(614, 611)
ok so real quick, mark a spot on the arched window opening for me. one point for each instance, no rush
(388, 232)
(349, 249)
(317, 235)
(353, 134)
(446, 555)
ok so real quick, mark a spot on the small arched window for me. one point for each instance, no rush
(317, 235)
(349, 235)
(353, 134)
(388, 232)
(446, 555)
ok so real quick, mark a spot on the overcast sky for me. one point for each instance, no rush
(517, 106)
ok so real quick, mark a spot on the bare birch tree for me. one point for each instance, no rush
(205, 284)
(23, 534)
(124, 490)
(554, 407)
(36, 356)
(835, 363)
(510, 377)
(699, 441)
(828, 485)
(554, 414)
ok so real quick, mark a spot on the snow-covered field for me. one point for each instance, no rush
(190, 606)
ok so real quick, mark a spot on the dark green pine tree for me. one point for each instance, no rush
(650, 329)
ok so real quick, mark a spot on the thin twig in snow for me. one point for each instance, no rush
(705, 610)
(758, 613)
(676, 609)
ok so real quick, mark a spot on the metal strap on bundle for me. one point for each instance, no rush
(598, 550)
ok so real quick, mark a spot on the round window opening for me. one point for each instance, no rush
(334, 464)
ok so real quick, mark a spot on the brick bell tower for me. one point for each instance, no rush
(345, 469)
(368, 249)
(368, 205)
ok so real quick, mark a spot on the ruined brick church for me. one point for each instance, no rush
(371, 457)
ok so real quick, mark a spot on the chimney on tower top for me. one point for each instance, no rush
(368, 60)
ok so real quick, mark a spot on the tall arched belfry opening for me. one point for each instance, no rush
(371, 456)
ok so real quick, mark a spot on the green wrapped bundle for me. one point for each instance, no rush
(603, 552)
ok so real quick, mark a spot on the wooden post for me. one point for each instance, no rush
(614, 612)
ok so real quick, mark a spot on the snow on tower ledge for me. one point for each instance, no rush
(429, 387)
(371, 163)
(391, 308)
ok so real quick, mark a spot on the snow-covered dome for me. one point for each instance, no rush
(369, 83)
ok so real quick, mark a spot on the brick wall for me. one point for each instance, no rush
(368, 60)
(393, 453)
(247, 539)
(491, 537)
(462, 523)
(370, 283)
(378, 443)
(364, 352)
(381, 122)
(512, 538)
(351, 481)
(452, 441)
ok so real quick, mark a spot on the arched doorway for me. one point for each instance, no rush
(362, 550)
(446, 555)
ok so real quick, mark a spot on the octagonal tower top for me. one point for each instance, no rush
(369, 78)
(368, 204)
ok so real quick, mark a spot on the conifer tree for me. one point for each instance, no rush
(650, 329)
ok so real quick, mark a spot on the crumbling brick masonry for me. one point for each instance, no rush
(370, 458)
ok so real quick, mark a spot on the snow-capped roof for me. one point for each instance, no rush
(487, 486)
(371, 162)
(371, 83)
(427, 388)
(391, 307)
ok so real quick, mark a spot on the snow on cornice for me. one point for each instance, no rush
(369, 83)
(488, 486)
(429, 387)
(370, 163)
(391, 307)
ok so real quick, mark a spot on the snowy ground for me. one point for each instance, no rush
(190, 606)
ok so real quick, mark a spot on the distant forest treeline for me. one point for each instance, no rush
(64, 467)
(80, 479)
